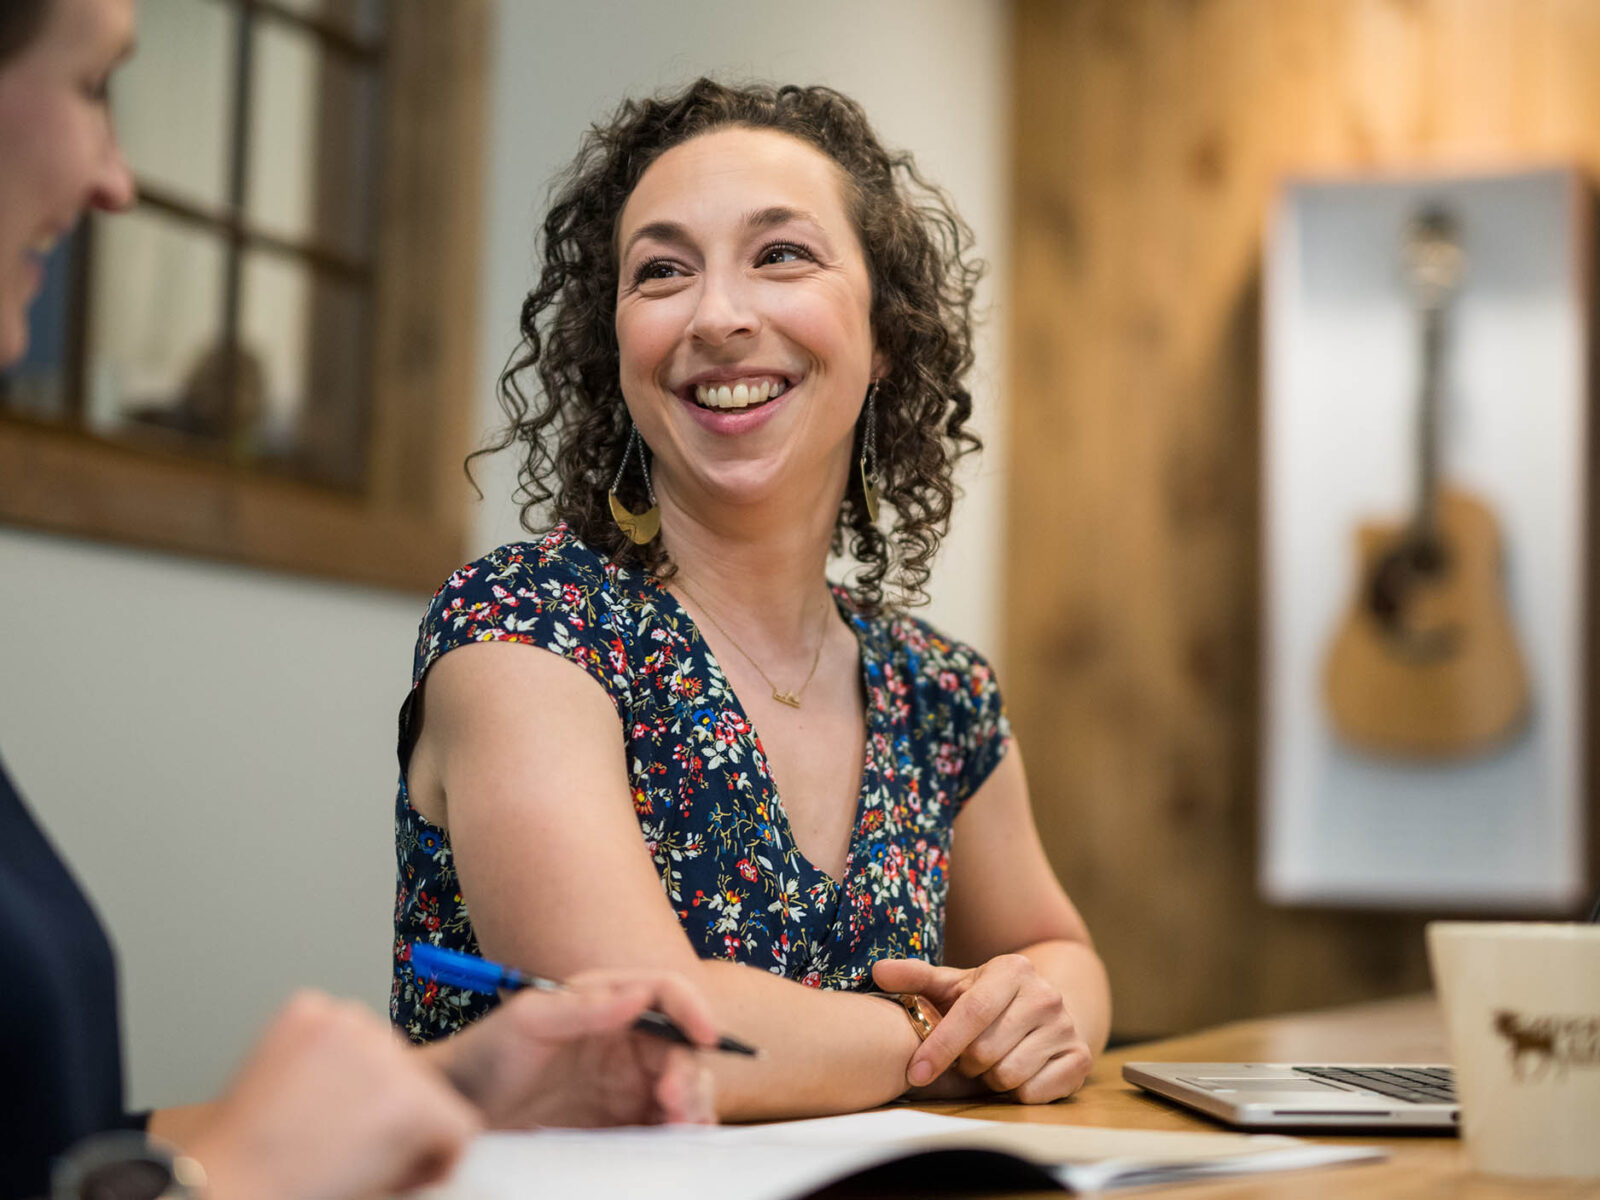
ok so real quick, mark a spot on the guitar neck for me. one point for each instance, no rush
(1426, 508)
(1434, 262)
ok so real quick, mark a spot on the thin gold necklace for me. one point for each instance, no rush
(792, 699)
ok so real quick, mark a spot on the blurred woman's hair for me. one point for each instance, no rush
(19, 22)
(574, 427)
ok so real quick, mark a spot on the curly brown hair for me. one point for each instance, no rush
(20, 21)
(923, 280)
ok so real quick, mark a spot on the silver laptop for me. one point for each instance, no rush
(1281, 1095)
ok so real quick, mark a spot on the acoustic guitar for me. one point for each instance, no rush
(1425, 664)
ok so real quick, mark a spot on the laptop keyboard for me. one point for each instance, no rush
(1420, 1085)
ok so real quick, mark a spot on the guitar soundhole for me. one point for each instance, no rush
(1428, 558)
(1395, 575)
(1416, 561)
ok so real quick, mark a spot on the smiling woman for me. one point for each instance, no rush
(655, 734)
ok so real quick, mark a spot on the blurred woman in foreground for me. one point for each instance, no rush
(330, 1104)
(753, 326)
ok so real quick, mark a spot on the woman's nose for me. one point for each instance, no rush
(724, 310)
(113, 188)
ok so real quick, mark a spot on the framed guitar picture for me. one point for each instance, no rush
(1427, 523)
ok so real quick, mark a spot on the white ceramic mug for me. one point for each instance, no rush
(1522, 1008)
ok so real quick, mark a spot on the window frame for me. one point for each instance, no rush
(405, 528)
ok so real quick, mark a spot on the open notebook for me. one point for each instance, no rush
(791, 1159)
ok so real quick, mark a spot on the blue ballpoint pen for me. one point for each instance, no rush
(480, 975)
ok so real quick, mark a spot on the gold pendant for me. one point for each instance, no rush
(788, 698)
(869, 490)
(639, 527)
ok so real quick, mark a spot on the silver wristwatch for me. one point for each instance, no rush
(124, 1165)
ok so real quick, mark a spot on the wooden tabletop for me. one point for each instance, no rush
(1420, 1167)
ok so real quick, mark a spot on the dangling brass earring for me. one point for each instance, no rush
(639, 527)
(869, 453)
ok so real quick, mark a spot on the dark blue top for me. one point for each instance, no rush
(707, 806)
(60, 1055)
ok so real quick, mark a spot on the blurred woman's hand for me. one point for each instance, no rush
(331, 1104)
(1004, 1025)
(571, 1058)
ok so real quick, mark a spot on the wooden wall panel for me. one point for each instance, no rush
(1150, 136)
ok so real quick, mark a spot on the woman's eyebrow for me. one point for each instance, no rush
(767, 218)
(661, 231)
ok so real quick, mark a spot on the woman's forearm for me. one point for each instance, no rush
(1080, 977)
(822, 1052)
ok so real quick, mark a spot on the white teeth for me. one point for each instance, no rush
(739, 395)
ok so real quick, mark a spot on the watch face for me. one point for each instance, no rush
(130, 1179)
(122, 1165)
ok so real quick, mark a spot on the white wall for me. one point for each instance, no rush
(212, 749)
(212, 746)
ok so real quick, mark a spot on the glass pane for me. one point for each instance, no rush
(304, 336)
(37, 385)
(313, 141)
(361, 19)
(174, 98)
(155, 331)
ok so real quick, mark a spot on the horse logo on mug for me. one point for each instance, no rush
(1539, 1044)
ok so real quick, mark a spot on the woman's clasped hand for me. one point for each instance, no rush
(1004, 1026)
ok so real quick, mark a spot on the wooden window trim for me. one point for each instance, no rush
(406, 528)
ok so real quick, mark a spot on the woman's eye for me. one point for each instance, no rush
(655, 268)
(782, 252)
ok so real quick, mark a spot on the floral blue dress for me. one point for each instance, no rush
(707, 806)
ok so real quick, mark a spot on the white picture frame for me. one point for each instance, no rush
(1506, 831)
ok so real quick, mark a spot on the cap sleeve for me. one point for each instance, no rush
(987, 729)
(951, 706)
(554, 594)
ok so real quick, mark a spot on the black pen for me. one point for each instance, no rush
(480, 975)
